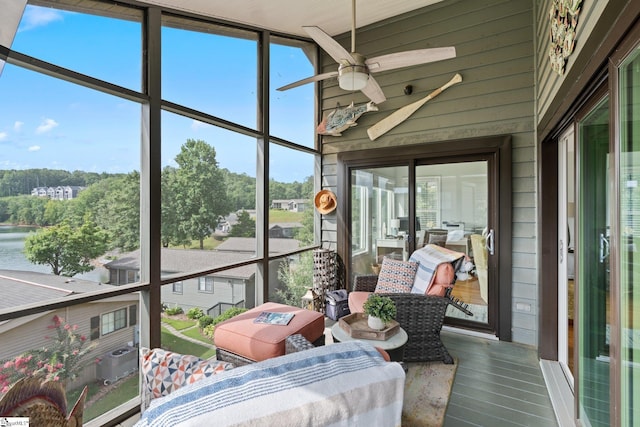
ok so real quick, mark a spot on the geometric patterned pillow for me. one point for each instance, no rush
(396, 276)
(164, 371)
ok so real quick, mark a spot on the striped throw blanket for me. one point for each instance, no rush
(343, 384)
(428, 259)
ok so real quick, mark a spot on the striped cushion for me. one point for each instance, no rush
(396, 276)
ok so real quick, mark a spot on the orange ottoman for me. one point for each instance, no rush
(239, 340)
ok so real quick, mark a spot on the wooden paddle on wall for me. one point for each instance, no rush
(402, 114)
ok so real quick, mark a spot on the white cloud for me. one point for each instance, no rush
(34, 148)
(195, 125)
(3, 136)
(17, 126)
(46, 126)
(38, 17)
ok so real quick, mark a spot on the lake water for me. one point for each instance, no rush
(12, 256)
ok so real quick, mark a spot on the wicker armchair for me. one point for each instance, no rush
(421, 316)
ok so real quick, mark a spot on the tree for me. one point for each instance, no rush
(118, 212)
(171, 232)
(296, 278)
(306, 234)
(245, 227)
(66, 250)
(201, 197)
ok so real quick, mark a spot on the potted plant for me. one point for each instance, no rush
(380, 311)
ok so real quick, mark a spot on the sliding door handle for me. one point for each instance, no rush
(490, 242)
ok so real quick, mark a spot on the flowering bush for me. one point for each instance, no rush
(57, 362)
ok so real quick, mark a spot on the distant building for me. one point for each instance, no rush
(291, 205)
(284, 230)
(65, 192)
(213, 293)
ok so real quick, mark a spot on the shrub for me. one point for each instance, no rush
(174, 310)
(204, 321)
(195, 313)
(60, 360)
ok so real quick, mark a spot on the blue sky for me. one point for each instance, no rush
(49, 123)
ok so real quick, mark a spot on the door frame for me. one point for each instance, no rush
(498, 148)
(563, 248)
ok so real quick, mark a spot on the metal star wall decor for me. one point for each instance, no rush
(563, 19)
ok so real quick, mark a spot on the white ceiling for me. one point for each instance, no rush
(288, 16)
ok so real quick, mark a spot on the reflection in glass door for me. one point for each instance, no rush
(379, 217)
(593, 172)
(452, 205)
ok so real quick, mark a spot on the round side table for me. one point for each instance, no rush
(394, 345)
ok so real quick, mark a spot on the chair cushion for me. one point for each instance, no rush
(396, 276)
(356, 301)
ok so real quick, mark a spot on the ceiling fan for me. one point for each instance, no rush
(354, 71)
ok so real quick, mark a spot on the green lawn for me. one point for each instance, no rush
(277, 215)
(178, 324)
(195, 333)
(126, 390)
(178, 345)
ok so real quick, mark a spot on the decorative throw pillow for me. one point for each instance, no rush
(164, 371)
(396, 276)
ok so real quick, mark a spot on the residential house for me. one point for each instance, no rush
(537, 144)
(213, 293)
(291, 205)
(284, 230)
(108, 324)
(65, 192)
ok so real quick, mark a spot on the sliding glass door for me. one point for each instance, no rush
(593, 280)
(629, 245)
(452, 201)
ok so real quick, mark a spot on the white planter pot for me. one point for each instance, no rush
(375, 323)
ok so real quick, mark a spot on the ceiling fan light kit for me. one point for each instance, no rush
(352, 77)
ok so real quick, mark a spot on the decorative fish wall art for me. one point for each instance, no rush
(342, 119)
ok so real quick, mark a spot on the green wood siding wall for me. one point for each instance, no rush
(495, 56)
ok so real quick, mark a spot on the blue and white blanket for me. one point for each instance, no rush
(428, 259)
(343, 384)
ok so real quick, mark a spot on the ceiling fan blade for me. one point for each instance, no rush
(329, 45)
(409, 58)
(374, 91)
(315, 78)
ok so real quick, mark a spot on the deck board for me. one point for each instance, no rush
(497, 384)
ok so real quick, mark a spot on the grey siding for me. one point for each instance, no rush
(223, 292)
(495, 56)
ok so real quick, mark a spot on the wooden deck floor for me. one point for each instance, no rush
(496, 384)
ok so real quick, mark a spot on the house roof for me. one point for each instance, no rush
(27, 287)
(185, 260)
(286, 225)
